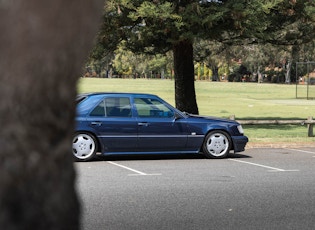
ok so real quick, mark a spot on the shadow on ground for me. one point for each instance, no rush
(162, 157)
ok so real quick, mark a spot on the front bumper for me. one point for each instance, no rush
(239, 143)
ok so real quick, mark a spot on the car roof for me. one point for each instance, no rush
(83, 96)
(112, 93)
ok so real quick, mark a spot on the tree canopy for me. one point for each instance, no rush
(159, 26)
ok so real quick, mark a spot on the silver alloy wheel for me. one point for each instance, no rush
(83, 146)
(217, 144)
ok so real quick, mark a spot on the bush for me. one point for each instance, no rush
(239, 73)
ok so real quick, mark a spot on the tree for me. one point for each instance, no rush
(127, 63)
(160, 25)
(213, 54)
(43, 47)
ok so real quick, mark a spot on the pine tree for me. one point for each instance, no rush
(159, 26)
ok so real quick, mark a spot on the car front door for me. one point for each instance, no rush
(158, 130)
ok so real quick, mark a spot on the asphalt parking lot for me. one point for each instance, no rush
(261, 188)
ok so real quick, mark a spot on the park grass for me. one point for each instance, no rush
(223, 99)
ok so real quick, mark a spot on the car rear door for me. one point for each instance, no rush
(115, 125)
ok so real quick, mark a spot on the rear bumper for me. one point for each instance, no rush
(239, 143)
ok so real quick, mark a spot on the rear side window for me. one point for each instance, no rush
(86, 103)
(99, 110)
(113, 107)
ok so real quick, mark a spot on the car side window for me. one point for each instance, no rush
(99, 110)
(147, 107)
(113, 107)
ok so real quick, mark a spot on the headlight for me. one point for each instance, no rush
(240, 129)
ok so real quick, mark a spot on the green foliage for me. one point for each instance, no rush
(224, 70)
(240, 73)
(155, 26)
(275, 76)
(127, 63)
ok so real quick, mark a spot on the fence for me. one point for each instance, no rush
(309, 122)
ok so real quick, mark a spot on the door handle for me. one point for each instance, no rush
(96, 123)
(143, 124)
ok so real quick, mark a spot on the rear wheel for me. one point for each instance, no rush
(217, 144)
(84, 147)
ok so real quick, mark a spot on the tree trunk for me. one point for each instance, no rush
(215, 73)
(287, 69)
(259, 76)
(288, 65)
(43, 46)
(185, 96)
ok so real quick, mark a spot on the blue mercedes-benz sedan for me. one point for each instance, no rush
(130, 123)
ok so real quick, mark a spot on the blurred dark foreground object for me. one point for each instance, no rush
(43, 45)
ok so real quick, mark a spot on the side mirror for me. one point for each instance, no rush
(177, 116)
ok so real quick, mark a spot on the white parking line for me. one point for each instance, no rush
(265, 166)
(299, 150)
(138, 173)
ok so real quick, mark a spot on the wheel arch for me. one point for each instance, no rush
(99, 146)
(222, 130)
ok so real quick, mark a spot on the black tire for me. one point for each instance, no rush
(217, 145)
(84, 147)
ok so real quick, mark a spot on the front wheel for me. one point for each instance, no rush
(217, 144)
(84, 147)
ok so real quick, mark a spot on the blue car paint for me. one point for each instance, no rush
(182, 133)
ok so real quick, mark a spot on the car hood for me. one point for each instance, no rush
(209, 118)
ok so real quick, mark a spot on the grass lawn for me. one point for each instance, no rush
(222, 99)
